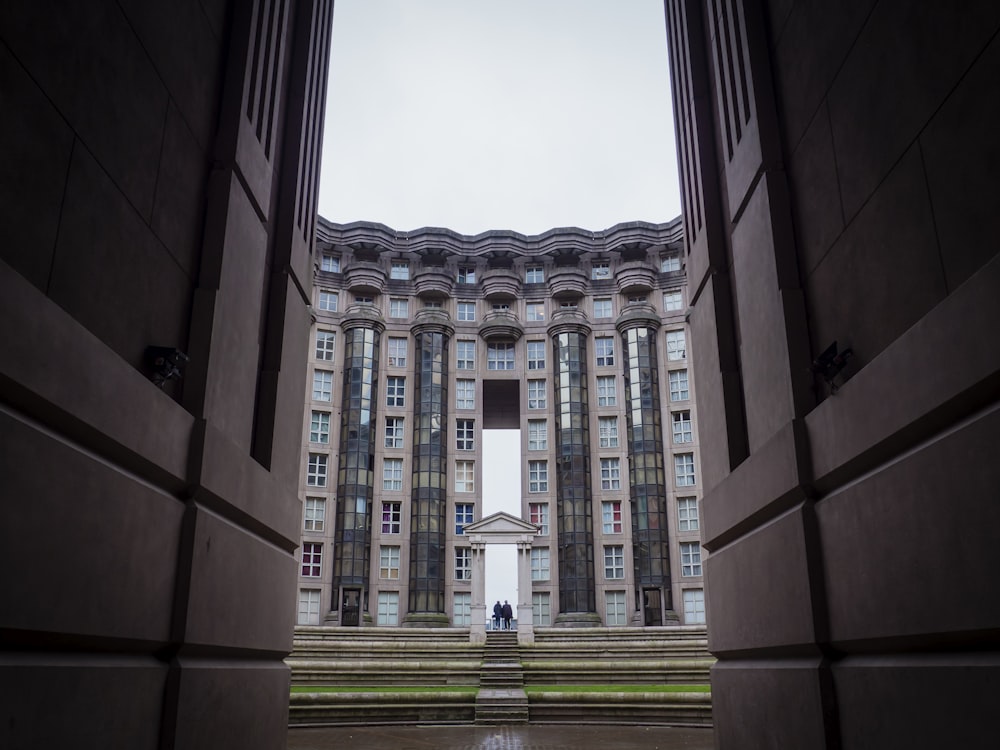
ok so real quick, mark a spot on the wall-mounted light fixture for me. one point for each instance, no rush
(829, 364)
(165, 363)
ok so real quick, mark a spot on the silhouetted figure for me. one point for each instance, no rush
(508, 613)
(497, 614)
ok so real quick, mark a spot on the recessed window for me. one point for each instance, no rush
(670, 263)
(326, 342)
(465, 433)
(611, 517)
(465, 355)
(672, 301)
(395, 391)
(638, 299)
(463, 563)
(687, 514)
(679, 385)
(602, 307)
(690, 559)
(464, 515)
(539, 563)
(538, 514)
(541, 611)
(393, 432)
(614, 603)
(466, 311)
(568, 305)
(535, 351)
(681, 423)
(465, 394)
(328, 300)
(400, 270)
(535, 311)
(388, 608)
(319, 427)
(600, 270)
(538, 435)
(676, 345)
(607, 429)
(363, 299)
(534, 275)
(314, 517)
(614, 562)
(308, 607)
(399, 307)
(322, 385)
(397, 352)
(391, 517)
(684, 469)
(465, 476)
(433, 304)
(611, 474)
(329, 263)
(392, 474)
(312, 559)
(694, 607)
(538, 476)
(500, 307)
(604, 347)
(316, 469)
(466, 275)
(607, 391)
(388, 563)
(536, 394)
(500, 356)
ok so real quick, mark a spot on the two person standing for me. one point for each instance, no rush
(502, 612)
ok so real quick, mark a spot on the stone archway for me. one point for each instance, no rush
(501, 528)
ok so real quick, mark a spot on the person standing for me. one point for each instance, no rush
(508, 614)
(497, 614)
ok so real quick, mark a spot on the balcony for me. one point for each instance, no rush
(635, 277)
(500, 283)
(432, 282)
(364, 277)
(568, 282)
(501, 324)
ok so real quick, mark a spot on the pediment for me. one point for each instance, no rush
(501, 527)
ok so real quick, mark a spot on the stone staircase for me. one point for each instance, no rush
(501, 698)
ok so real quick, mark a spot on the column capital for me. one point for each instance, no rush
(568, 321)
(362, 316)
(432, 320)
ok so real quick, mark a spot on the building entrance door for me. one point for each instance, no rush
(652, 611)
(350, 608)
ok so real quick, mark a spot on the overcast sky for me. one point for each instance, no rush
(499, 114)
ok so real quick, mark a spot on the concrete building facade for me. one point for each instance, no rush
(421, 341)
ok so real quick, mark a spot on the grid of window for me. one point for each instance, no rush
(607, 390)
(607, 430)
(392, 474)
(465, 476)
(681, 421)
(536, 394)
(465, 394)
(326, 341)
(466, 311)
(614, 602)
(312, 559)
(679, 385)
(463, 609)
(392, 517)
(604, 347)
(614, 562)
(463, 563)
(308, 607)
(539, 563)
(322, 385)
(329, 263)
(393, 432)
(690, 559)
(611, 474)
(465, 435)
(694, 607)
(534, 275)
(397, 352)
(464, 514)
(319, 427)
(388, 608)
(538, 514)
(465, 355)
(541, 611)
(399, 307)
(535, 311)
(535, 351)
(669, 263)
(466, 275)
(328, 300)
(600, 270)
(687, 514)
(611, 517)
(676, 346)
(672, 301)
(400, 270)
(538, 435)
(314, 518)
(388, 563)
(602, 307)
(316, 471)
(684, 469)
(500, 356)
(395, 391)
(538, 476)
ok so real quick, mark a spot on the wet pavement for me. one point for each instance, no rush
(523, 737)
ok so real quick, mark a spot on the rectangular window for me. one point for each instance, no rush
(312, 559)
(465, 355)
(676, 346)
(681, 421)
(392, 517)
(500, 307)
(614, 602)
(463, 563)
(328, 300)
(465, 476)
(535, 311)
(319, 427)
(690, 559)
(463, 609)
(600, 270)
(397, 352)
(500, 356)
(607, 429)
(534, 275)
(694, 607)
(541, 611)
(611, 517)
(672, 301)
(611, 474)
(538, 435)
(325, 343)
(329, 263)
(464, 514)
(395, 391)
(388, 563)
(388, 608)
(465, 394)
(466, 275)
(684, 469)
(322, 385)
(536, 394)
(679, 385)
(602, 307)
(604, 346)
(538, 514)
(538, 476)
(466, 311)
(308, 607)
(539, 563)
(607, 391)
(363, 299)
(670, 263)
(314, 518)
(399, 307)
(392, 474)
(400, 270)
(433, 304)
(568, 305)
(393, 432)
(687, 514)
(536, 355)
(465, 434)
(316, 471)
(638, 299)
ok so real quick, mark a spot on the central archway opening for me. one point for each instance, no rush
(501, 493)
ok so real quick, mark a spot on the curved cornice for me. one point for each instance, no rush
(555, 242)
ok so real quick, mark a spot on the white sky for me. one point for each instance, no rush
(499, 114)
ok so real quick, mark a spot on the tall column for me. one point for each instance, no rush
(525, 617)
(477, 628)
(647, 475)
(428, 499)
(356, 471)
(577, 601)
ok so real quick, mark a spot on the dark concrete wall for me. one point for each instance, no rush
(147, 536)
(837, 164)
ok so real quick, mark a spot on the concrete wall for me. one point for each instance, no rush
(837, 166)
(154, 192)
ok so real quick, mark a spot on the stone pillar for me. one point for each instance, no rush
(477, 628)
(525, 617)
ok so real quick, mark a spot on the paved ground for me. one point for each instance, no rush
(532, 737)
